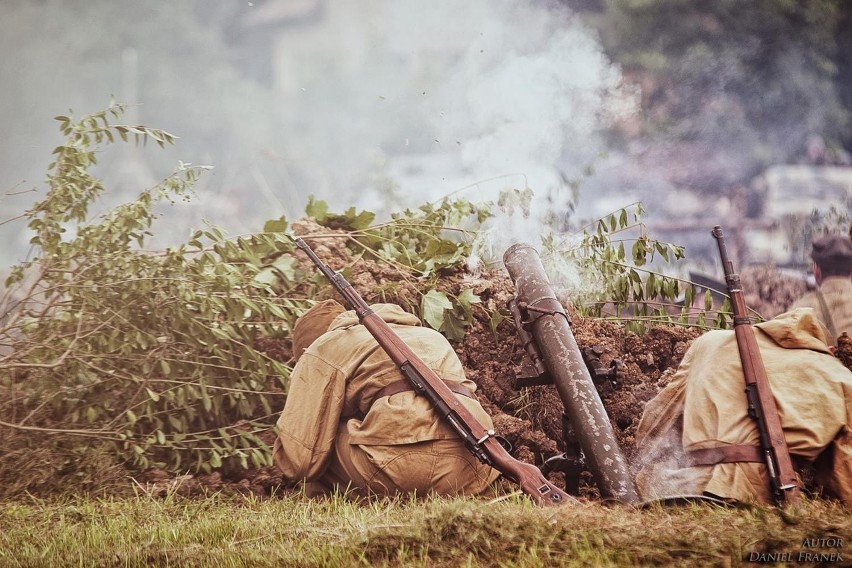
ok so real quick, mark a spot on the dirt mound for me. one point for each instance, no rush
(844, 349)
(769, 292)
(531, 418)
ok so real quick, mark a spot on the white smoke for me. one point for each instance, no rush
(382, 105)
(397, 103)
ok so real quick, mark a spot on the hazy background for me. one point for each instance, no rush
(388, 104)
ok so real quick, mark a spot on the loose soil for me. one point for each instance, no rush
(530, 418)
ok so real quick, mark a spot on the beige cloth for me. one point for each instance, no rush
(837, 291)
(313, 323)
(334, 432)
(704, 406)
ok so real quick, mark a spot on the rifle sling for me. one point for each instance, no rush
(826, 315)
(402, 386)
(725, 454)
(737, 453)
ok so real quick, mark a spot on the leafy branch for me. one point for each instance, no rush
(615, 258)
(148, 353)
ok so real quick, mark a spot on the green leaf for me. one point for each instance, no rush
(497, 317)
(432, 308)
(275, 226)
(689, 295)
(285, 267)
(316, 208)
(466, 300)
(662, 249)
(266, 277)
(639, 253)
(468, 297)
(651, 286)
(453, 326)
(360, 220)
(349, 221)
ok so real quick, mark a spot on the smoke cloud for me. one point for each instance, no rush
(382, 105)
(432, 98)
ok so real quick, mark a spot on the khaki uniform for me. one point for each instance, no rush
(334, 431)
(837, 293)
(704, 406)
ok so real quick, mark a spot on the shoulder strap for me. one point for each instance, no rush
(826, 315)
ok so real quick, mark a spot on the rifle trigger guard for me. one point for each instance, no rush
(507, 445)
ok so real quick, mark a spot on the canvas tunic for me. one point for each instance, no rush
(333, 428)
(704, 406)
(837, 292)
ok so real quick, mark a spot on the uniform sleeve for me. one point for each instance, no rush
(308, 425)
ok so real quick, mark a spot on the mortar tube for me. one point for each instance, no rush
(552, 331)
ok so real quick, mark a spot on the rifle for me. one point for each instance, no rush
(783, 482)
(483, 443)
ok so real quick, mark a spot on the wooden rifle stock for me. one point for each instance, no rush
(784, 483)
(481, 442)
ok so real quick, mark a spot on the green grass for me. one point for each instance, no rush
(226, 531)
